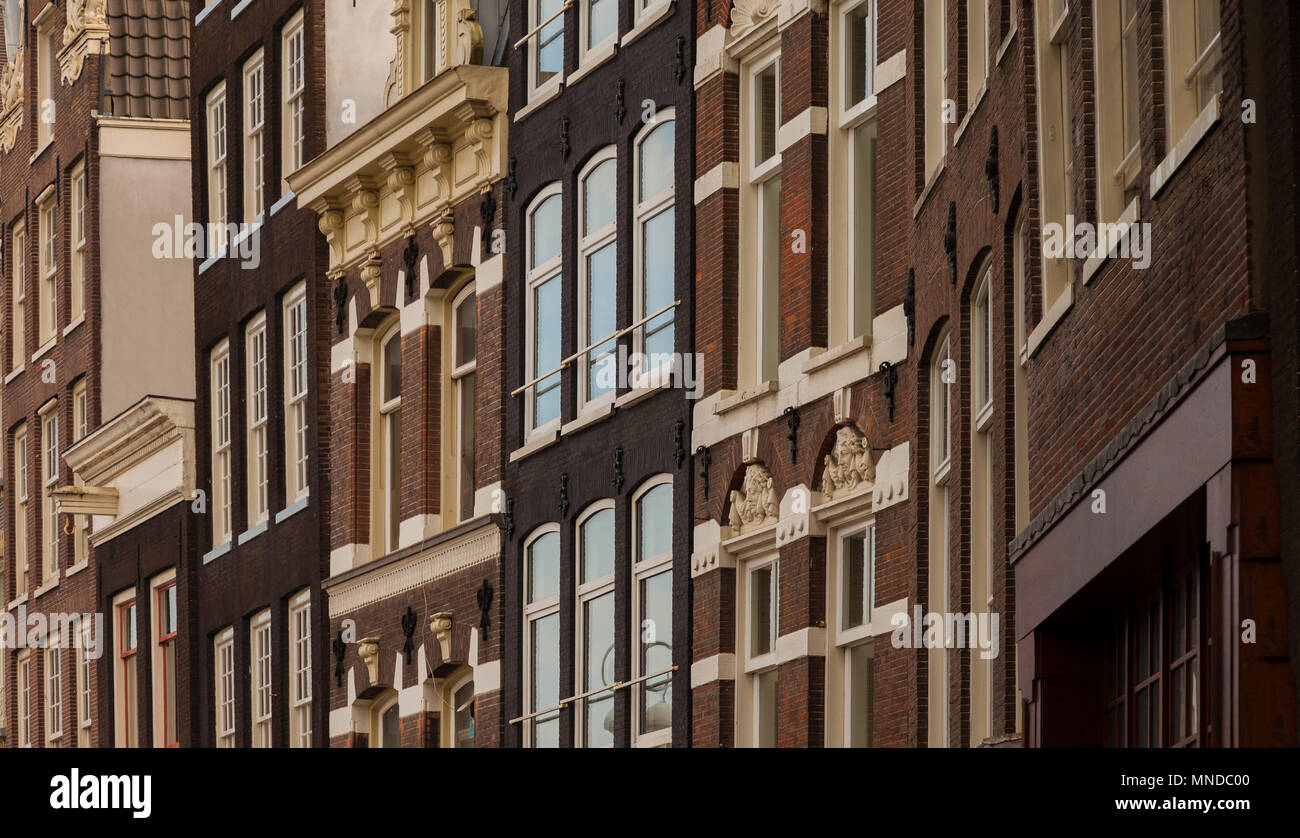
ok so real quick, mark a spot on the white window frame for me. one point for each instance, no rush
(18, 330)
(85, 692)
(455, 684)
(300, 686)
(982, 489)
(846, 639)
(21, 495)
(536, 89)
(1055, 140)
(47, 67)
(77, 275)
(53, 691)
(1119, 163)
(584, 593)
(293, 121)
(218, 196)
(255, 137)
(386, 447)
(935, 84)
(644, 209)
(297, 385)
(261, 699)
(761, 293)
(47, 212)
(539, 275)
(590, 243)
(24, 696)
(643, 569)
(49, 482)
(223, 687)
(939, 595)
(755, 666)
(257, 398)
(533, 612)
(222, 452)
(377, 711)
(584, 30)
(978, 58)
(462, 389)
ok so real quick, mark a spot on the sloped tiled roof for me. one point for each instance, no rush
(148, 68)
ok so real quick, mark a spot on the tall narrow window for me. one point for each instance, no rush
(1020, 427)
(296, 382)
(542, 639)
(259, 655)
(387, 445)
(935, 69)
(853, 180)
(760, 296)
(166, 731)
(77, 275)
(598, 276)
(85, 688)
(981, 502)
(127, 680)
(758, 640)
(293, 121)
(544, 308)
(47, 72)
(465, 381)
(595, 621)
(221, 465)
(54, 692)
(259, 456)
(977, 48)
(18, 329)
(546, 20)
(654, 242)
(223, 655)
(1055, 145)
(48, 321)
(854, 572)
(652, 613)
(25, 700)
(254, 139)
(300, 669)
(1193, 61)
(462, 709)
(20, 511)
(49, 482)
(217, 208)
(942, 375)
(1118, 161)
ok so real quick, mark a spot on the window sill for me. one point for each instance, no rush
(239, 8)
(984, 416)
(1050, 319)
(640, 392)
(1183, 149)
(1094, 263)
(539, 439)
(970, 112)
(203, 13)
(41, 150)
(76, 568)
(17, 602)
(929, 187)
(285, 200)
(45, 589)
(217, 552)
(744, 397)
(212, 260)
(249, 229)
(591, 413)
(593, 59)
(540, 97)
(14, 373)
(67, 330)
(830, 357)
(658, 739)
(292, 509)
(254, 531)
(648, 21)
(44, 348)
(889, 72)
(1006, 43)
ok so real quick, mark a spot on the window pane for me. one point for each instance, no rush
(766, 112)
(468, 385)
(466, 330)
(550, 40)
(389, 724)
(603, 21)
(598, 192)
(760, 611)
(654, 526)
(765, 711)
(393, 367)
(769, 303)
(602, 315)
(598, 546)
(545, 679)
(547, 350)
(598, 669)
(544, 567)
(546, 231)
(855, 581)
(464, 715)
(656, 161)
(860, 683)
(657, 290)
(656, 651)
(858, 54)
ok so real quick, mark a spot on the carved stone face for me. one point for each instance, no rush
(847, 445)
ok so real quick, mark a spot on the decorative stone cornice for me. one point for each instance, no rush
(368, 650)
(11, 99)
(86, 31)
(440, 625)
(754, 504)
(444, 233)
(371, 273)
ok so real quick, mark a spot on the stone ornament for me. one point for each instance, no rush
(754, 504)
(747, 14)
(368, 650)
(849, 467)
(440, 625)
(11, 100)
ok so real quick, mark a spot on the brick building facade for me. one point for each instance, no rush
(598, 309)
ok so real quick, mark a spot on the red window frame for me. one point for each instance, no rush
(163, 641)
(124, 654)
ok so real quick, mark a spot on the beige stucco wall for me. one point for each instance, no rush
(359, 47)
(147, 304)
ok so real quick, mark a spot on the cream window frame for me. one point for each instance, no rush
(461, 377)
(47, 73)
(49, 415)
(85, 690)
(1119, 163)
(755, 666)
(935, 84)
(222, 449)
(982, 483)
(21, 490)
(24, 698)
(584, 30)
(1055, 142)
(536, 24)
(759, 352)
(846, 639)
(47, 325)
(218, 184)
(386, 431)
(1193, 66)
(293, 119)
(261, 677)
(255, 137)
(297, 387)
(587, 592)
(224, 720)
(53, 671)
(77, 263)
(300, 670)
(18, 296)
(537, 276)
(978, 55)
(257, 437)
(938, 587)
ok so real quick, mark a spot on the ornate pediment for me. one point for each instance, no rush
(849, 467)
(85, 31)
(458, 40)
(11, 100)
(755, 503)
(747, 14)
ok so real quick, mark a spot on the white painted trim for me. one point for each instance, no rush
(67, 330)
(14, 373)
(205, 11)
(808, 642)
(217, 552)
(415, 529)
(285, 200)
(489, 274)
(1094, 262)
(649, 20)
(541, 438)
(1196, 132)
(43, 349)
(591, 61)
(725, 175)
(711, 56)
(719, 667)
(540, 98)
(889, 72)
(485, 499)
(254, 531)
(1050, 318)
(813, 120)
(243, 4)
(343, 559)
(293, 508)
(73, 570)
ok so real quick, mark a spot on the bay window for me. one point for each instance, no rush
(595, 626)
(544, 290)
(652, 613)
(542, 638)
(598, 275)
(654, 236)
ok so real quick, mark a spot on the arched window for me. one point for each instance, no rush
(595, 624)
(653, 238)
(459, 710)
(386, 721)
(544, 292)
(386, 440)
(652, 611)
(464, 377)
(542, 637)
(598, 275)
